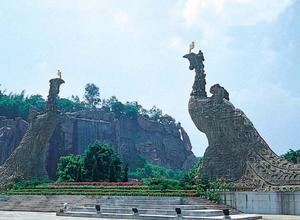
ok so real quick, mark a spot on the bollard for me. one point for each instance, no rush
(226, 214)
(135, 212)
(98, 209)
(178, 212)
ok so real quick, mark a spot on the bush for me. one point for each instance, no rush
(291, 156)
(213, 196)
(190, 177)
(153, 171)
(96, 184)
(99, 163)
(163, 184)
(32, 183)
(69, 168)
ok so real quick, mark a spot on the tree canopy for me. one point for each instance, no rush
(18, 105)
(92, 95)
(69, 168)
(292, 155)
(99, 163)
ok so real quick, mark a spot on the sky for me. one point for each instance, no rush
(133, 49)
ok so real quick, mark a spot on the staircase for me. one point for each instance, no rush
(147, 207)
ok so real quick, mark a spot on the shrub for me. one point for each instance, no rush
(32, 183)
(69, 168)
(96, 184)
(291, 156)
(163, 184)
(99, 163)
(153, 171)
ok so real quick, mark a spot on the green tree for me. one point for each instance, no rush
(131, 109)
(67, 105)
(69, 168)
(153, 171)
(36, 101)
(292, 155)
(125, 177)
(92, 95)
(101, 163)
(155, 113)
(190, 177)
(167, 119)
(117, 108)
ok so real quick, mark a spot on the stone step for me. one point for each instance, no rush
(149, 206)
(154, 202)
(207, 212)
(156, 217)
(127, 198)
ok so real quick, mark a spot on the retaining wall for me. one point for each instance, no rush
(284, 203)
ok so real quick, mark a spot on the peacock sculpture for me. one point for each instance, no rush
(236, 151)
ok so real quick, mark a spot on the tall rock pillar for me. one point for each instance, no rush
(28, 159)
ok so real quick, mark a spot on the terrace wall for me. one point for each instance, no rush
(285, 203)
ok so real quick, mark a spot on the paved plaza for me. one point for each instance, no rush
(14, 215)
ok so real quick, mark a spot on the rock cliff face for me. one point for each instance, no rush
(236, 151)
(136, 139)
(11, 133)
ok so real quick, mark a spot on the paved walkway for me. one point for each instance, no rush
(281, 217)
(14, 215)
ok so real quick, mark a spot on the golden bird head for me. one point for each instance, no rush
(59, 73)
(191, 46)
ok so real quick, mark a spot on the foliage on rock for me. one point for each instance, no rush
(292, 156)
(18, 105)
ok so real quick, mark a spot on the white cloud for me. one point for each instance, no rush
(232, 12)
(124, 22)
(178, 44)
(273, 110)
(90, 14)
(215, 17)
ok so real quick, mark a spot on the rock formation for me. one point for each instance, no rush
(236, 151)
(27, 160)
(11, 134)
(135, 139)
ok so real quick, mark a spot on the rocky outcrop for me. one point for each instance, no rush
(11, 134)
(135, 139)
(236, 151)
(28, 159)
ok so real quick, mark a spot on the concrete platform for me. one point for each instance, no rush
(150, 208)
(16, 215)
(157, 217)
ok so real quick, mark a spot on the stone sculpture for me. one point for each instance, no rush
(28, 159)
(236, 151)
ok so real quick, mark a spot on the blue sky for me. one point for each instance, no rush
(133, 50)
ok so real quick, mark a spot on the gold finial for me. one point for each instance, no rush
(191, 46)
(59, 73)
